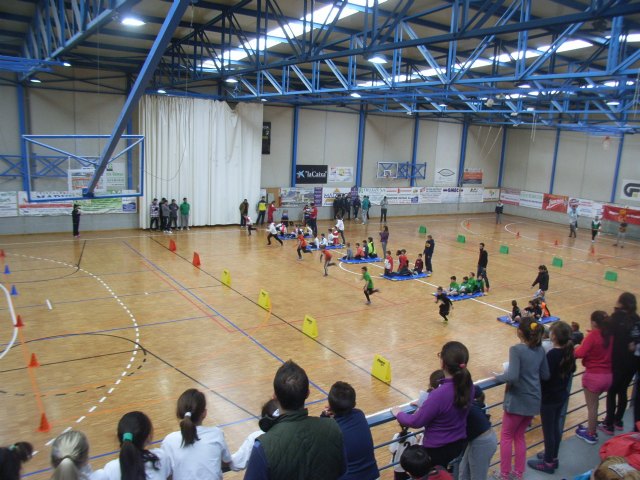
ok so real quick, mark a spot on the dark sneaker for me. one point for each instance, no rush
(541, 466)
(617, 425)
(603, 427)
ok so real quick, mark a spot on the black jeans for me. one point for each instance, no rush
(154, 221)
(445, 454)
(427, 262)
(260, 220)
(383, 215)
(243, 221)
(484, 272)
(550, 416)
(617, 394)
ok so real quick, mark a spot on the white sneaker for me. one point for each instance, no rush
(188, 228)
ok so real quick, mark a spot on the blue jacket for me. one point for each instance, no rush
(358, 444)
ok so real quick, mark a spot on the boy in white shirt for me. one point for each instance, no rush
(273, 233)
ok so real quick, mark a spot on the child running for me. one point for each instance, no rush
(368, 285)
(327, 259)
(445, 306)
(302, 245)
(273, 233)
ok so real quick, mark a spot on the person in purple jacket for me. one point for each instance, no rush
(444, 414)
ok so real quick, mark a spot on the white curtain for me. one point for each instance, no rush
(202, 150)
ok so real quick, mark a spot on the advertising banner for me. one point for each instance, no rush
(64, 207)
(340, 174)
(311, 173)
(472, 176)
(445, 177)
(510, 196)
(431, 195)
(630, 190)
(8, 204)
(451, 195)
(555, 203)
(618, 214)
(395, 195)
(472, 194)
(585, 208)
(329, 195)
(490, 194)
(296, 196)
(531, 199)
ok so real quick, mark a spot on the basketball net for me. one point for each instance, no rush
(606, 143)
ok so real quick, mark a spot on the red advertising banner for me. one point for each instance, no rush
(555, 203)
(617, 214)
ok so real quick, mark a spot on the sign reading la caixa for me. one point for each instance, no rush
(311, 173)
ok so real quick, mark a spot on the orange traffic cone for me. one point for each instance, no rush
(172, 245)
(593, 250)
(19, 322)
(44, 424)
(468, 224)
(518, 235)
(34, 361)
(556, 243)
(1, 253)
(196, 259)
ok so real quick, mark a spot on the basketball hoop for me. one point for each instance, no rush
(606, 143)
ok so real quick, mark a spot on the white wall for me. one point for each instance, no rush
(484, 146)
(276, 167)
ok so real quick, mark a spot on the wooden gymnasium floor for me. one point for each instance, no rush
(132, 324)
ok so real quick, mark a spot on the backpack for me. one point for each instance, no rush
(626, 445)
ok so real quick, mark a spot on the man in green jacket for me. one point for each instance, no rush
(297, 446)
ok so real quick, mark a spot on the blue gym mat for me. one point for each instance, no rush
(457, 298)
(361, 260)
(291, 236)
(400, 278)
(543, 320)
(330, 247)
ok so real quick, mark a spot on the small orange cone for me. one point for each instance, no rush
(196, 259)
(518, 235)
(172, 245)
(593, 250)
(44, 424)
(468, 224)
(556, 243)
(19, 322)
(1, 253)
(34, 361)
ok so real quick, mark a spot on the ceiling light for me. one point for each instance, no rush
(160, 90)
(442, 105)
(35, 80)
(66, 64)
(613, 103)
(523, 85)
(377, 58)
(530, 109)
(231, 80)
(355, 95)
(263, 99)
(132, 22)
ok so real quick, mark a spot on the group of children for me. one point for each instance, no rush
(366, 250)
(470, 285)
(403, 264)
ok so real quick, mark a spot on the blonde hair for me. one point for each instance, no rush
(69, 453)
(603, 472)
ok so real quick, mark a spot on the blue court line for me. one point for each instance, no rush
(236, 327)
(118, 328)
(106, 297)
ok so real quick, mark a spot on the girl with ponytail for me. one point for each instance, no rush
(136, 462)
(444, 413)
(555, 392)
(196, 451)
(70, 457)
(527, 367)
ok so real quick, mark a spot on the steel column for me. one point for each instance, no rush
(502, 155)
(414, 153)
(555, 160)
(360, 154)
(616, 172)
(294, 144)
(22, 121)
(148, 69)
(463, 151)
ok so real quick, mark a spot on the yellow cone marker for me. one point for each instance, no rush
(381, 368)
(310, 326)
(263, 300)
(226, 277)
